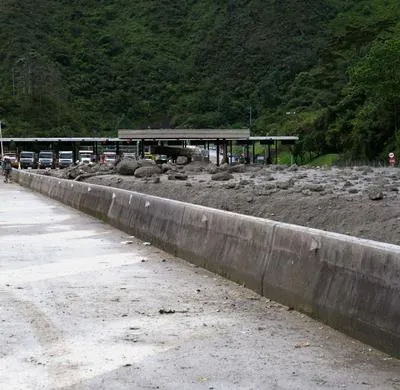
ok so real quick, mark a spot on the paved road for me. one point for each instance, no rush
(80, 309)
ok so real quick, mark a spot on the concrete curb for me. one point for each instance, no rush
(351, 284)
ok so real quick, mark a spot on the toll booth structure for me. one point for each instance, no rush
(221, 138)
(135, 141)
(97, 145)
(185, 137)
(268, 142)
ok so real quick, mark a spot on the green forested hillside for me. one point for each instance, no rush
(327, 70)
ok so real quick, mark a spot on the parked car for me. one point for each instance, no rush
(46, 159)
(65, 158)
(28, 159)
(161, 158)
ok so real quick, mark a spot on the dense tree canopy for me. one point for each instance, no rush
(327, 70)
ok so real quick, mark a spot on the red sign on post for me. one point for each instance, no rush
(392, 159)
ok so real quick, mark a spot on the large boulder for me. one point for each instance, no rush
(238, 168)
(182, 160)
(127, 166)
(148, 171)
(196, 166)
(145, 162)
(177, 176)
(314, 187)
(375, 192)
(166, 167)
(103, 168)
(222, 176)
(73, 172)
(223, 167)
(212, 169)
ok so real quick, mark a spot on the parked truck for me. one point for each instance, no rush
(65, 158)
(85, 156)
(46, 159)
(109, 158)
(12, 157)
(28, 159)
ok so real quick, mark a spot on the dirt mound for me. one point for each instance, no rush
(359, 201)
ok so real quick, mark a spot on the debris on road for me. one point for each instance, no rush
(303, 344)
(166, 311)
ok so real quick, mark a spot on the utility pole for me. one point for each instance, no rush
(251, 118)
(1, 141)
(13, 82)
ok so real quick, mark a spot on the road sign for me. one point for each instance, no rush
(392, 159)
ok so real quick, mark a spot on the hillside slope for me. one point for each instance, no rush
(323, 69)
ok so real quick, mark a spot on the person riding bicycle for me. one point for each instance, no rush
(7, 169)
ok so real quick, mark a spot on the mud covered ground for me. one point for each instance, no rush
(358, 201)
(81, 309)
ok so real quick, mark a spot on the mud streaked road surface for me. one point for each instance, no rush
(84, 306)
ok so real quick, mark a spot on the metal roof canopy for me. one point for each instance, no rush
(208, 134)
(59, 139)
(184, 134)
(275, 138)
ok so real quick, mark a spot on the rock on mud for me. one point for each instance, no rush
(375, 193)
(147, 171)
(222, 176)
(127, 167)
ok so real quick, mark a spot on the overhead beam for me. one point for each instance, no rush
(184, 134)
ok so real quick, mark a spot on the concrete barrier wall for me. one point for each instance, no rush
(351, 284)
